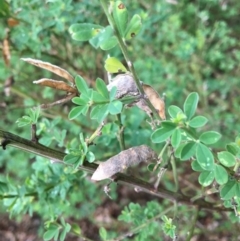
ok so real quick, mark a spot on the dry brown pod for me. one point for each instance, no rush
(55, 84)
(123, 160)
(50, 67)
(155, 100)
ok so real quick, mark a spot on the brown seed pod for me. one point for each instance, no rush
(55, 84)
(155, 100)
(123, 160)
(50, 67)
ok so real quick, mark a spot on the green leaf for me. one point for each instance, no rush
(188, 151)
(238, 189)
(76, 111)
(63, 235)
(76, 229)
(162, 134)
(99, 112)
(220, 174)
(196, 167)
(103, 233)
(81, 85)
(133, 27)
(113, 92)
(198, 121)
(190, 105)
(109, 43)
(24, 121)
(176, 138)
(3, 187)
(52, 232)
(174, 111)
(204, 157)
(229, 190)
(120, 15)
(206, 178)
(210, 137)
(98, 98)
(101, 88)
(113, 65)
(71, 159)
(84, 31)
(233, 148)
(115, 107)
(90, 157)
(226, 158)
(178, 151)
(79, 101)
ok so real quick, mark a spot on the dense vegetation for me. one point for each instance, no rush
(189, 52)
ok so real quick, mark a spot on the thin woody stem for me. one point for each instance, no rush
(9, 139)
(125, 54)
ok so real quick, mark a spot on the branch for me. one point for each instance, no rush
(126, 55)
(7, 138)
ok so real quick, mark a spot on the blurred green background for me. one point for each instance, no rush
(183, 46)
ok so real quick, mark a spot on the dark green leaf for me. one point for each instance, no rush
(204, 157)
(196, 167)
(76, 111)
(229, 190)
(162, 134)
(220, 174)
(101, 88)
(109, 43)
(188, 151)
(190, 105)
(81, 85)
(99, 112)
(98, 98)
(206, 178)
(233, 148)
(178, 151)
(226, 158)
(84, 31)
(198, 121)
(176, 138)
(71, 159)
(3, 187)
(120, 15)
(113, 92)
(210, 137)
(174, 111)
(90, 157)
(79, 101)
(115, 107)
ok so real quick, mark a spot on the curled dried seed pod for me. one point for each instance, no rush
(155, 100)
(125, 85)
(123, 160)
(55, 84)
(50, 67)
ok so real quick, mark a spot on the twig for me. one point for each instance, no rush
(195, 217)
(120, 134)
(125, 54)
(7, 138)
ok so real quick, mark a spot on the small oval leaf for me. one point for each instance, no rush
(226, 158)
(209, 137)
(190, 105)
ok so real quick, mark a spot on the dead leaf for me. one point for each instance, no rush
(126, 86)
(55, 84)
(53, 68)
(155, 100)
(123, 160)
(6, 52)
